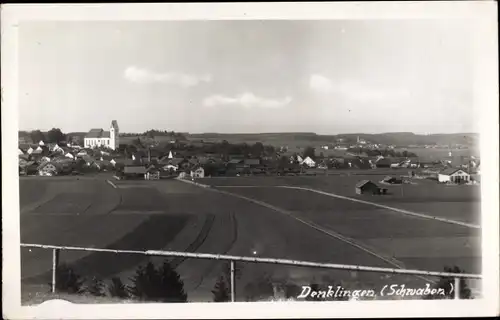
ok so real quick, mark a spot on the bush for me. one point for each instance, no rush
(261, 289)
(117, 288)
(161, 285)
(95, 287)
(446, 284)
(67, 280)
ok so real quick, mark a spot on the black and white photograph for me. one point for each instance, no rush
(170, 161)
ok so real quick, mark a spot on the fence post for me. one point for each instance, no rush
(232, 281)
(457, 288)
(55, 262)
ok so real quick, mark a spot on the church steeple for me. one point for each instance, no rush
(114, 133)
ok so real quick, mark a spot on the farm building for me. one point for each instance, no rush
(368, 187)
(134, 171)
(453, 175)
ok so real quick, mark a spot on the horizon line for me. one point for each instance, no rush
(276, 132)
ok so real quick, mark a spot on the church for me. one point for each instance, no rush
(100, 138)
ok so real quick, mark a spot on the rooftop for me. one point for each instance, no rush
(97, 133)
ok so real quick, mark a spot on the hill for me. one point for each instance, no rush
(307, 138)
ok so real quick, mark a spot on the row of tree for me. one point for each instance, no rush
(163, 284)
(384, 153)
(54, 135)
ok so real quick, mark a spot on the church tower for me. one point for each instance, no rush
(114, 133)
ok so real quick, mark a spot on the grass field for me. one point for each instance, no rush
(426, 196)
(171, 215)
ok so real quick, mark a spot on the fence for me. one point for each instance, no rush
(233, 259)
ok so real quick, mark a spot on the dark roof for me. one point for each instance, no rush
(252, 161)
(450, 171)
(362, 183)
(57, 166)
(134, 169)
(235, 161)
(384, 161)
(97, 133)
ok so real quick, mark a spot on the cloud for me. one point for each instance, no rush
(145, 76)
(354, 90)
(320, 83)
(247, 100)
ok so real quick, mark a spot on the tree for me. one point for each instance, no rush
(95, 287)
(446, 283)
(55, 135)
(67, 280)
(257, 149)
(221, 291)
(163, 284)
(37, 136)
(309, 152)
(117, 288)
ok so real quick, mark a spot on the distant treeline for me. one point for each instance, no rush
(384, 153)
(155, 133)
(393, 138)
(52, 136)
(224, 148)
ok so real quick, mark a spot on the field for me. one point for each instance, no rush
(262, 220)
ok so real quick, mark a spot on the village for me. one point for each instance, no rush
(101, 151)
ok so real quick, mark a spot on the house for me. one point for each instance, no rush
(308, 162)
(135, 171)
(48, 169)
(170, 168)
(323, 165)
(234, 162)
(152, 173)
(100, 138)
(392, 180)
(368, 187)
(198, 172)
(454, 175)
(251, 162)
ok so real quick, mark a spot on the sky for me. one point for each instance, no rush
(327, 77)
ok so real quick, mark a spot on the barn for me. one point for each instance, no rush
(454, 175)
(368, 187)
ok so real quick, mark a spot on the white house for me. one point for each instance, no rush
(69, 155)
(198, 173)
(309, 162)
(453, 175)
(100, 138)
(19, 151)
(169, 167)
(41, 143)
